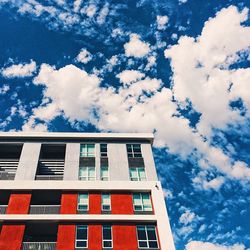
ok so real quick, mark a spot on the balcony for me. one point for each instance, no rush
(3, 209)
(8, 169)
(39, 246)
(44, 209)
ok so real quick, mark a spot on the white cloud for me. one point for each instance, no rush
(19, 70)
(90, 10)
(135, 47)
(187, 217)
(103, 14)
(84, 56)
(129, 76)
(161, 22)
(182, 1)
(151, 62)
(77, 5)
(199, 245)
(200, 75)
(4, 89)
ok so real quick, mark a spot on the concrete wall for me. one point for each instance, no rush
(71, 165)
(28, 161)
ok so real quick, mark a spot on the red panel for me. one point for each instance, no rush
(124, 237)
(11, 237)
(19, 203)
(69, 203)
(121, 204)
(95, 203)
(66, 237)
(95, 237)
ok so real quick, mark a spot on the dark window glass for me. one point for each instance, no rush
(104, 150)
(147, 237)
(134, 150)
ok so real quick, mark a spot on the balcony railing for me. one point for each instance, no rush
(3, 209)
(49, 177)
(44, 209)
(39, 246)
(6, 176)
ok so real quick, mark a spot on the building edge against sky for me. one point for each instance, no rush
(97, 190)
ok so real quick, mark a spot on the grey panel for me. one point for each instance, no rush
(136, 162)
(149, 162)
(71, 165)
(28, 161)
(118, 162)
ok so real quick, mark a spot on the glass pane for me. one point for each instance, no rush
(82, 171)
(83, 198)
(81, 243)
(138, 208)
(143, 244)
(91, 172)
(81, 232)
(129, 148)
(83, 150)
(137, 148)
(107, 232)
(83, 207)
(142, 174)
(91, 149)
(151, 233)
(133, 173)
(141, 233)
(105, 198)
(107, 244)
(153, 244)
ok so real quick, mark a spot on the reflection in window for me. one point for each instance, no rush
(137, 174)
(81, 237)
(87, 173)
(87, 150)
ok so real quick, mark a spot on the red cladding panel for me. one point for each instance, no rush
(69, 203)
(95, 237)
(124, 237)
(66, 237)
(19, 203)
(121, 204)
(95, 203)
(11, 237)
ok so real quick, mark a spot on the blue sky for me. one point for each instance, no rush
(179, 69)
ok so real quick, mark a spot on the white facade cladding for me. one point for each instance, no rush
(66, 147)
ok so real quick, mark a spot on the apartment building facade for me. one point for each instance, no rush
(91, 191)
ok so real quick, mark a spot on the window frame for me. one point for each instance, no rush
(82, 210)
(76, 240)
(142, 204)
(88, 175)
(147, 239)
(101, 173)
(133, 153)
(138, 178)
(106, 210)
(104, 154)
(87, 153)
(111, 247)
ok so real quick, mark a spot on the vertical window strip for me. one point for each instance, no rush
(103, 150)
(107, 241)
(104, 173)
(83, 202)
(106, 202)
(81, 237)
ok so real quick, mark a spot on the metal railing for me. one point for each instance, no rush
(3, 209)
(6, 176)
(39, 246)
(44, 209)
(49, 177)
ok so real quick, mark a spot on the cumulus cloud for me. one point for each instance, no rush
(84, 56)
(199, 245)
(161, 22)
(129, 76)
(19, 70)
(4, 89)
(201, 75)
(135, 47)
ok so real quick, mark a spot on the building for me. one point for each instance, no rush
(81, 191)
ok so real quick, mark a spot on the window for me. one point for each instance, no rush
(87, 173)
(81, 237)
(83, 202)
(137, 174)
(106, 204)
(134, 150)
(142, 202)
(147, 238)
(104, 150)
(107, 237)
(87, 150)
(104, 173)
